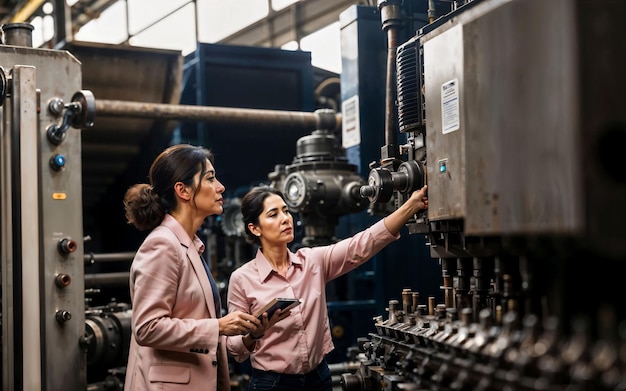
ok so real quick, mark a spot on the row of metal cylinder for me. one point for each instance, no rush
(434, 347)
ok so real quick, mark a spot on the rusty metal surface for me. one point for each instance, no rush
(287, 120)
(513, 164)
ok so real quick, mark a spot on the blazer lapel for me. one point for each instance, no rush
(202, 276)
(193, 249)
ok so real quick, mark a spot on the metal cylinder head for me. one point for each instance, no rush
(18, 34)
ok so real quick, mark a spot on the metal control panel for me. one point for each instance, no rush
(43, 310)
(490, 156)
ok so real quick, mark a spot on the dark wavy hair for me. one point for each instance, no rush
(252, 207)
(146, 204)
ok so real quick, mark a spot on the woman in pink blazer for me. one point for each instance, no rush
(178, 335)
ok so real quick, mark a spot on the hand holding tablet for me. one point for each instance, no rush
(285, 304)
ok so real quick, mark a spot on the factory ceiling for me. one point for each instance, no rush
(279, 27)
(81, 13)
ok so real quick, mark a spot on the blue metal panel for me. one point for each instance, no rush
(246, 77)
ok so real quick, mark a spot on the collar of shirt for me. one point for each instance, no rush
(173, 224)
(265, 268)
(198, 245)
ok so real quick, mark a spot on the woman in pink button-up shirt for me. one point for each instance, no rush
(287, 351)
(178, 335)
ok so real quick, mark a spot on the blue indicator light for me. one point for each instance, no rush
(59, 160)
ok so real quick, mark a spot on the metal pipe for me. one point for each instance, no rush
(100, 279)
(336, 370)
(343, 367)
(390, 105)
(289, 120)
(431, 11)
(391, 16)
(18, 34)
(26, 10)
(110, 257)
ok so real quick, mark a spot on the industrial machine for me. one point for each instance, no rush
(43, 303)
(511, 111)
(320, 185)
(511, 118)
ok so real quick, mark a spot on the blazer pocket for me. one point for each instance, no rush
(169, 374)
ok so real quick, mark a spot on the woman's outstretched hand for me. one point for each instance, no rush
(405, 212)
(419, 199)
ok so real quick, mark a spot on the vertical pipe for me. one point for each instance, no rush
(431, 11)
(447, 268)
(390, 12)
(407, 298)
(390, 102)
(18, 34)
(416, 301)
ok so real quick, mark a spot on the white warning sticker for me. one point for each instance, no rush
(350, 127)
(450, 114)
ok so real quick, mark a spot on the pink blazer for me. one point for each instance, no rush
(175, 341)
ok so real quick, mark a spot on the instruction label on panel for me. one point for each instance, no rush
(350, 125)
(450, 113)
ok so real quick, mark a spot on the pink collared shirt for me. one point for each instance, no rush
(298, 344)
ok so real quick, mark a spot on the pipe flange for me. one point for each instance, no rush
(295, 191)
(87, 112)
(413, 172)
(326, 119)
(379, 186)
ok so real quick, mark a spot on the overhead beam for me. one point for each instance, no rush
(290, 24)
(24, 12)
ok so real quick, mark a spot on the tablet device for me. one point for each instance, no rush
(283, 303)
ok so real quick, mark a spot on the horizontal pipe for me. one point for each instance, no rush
(287, 120)
(106, 279)
(344, 367)
(108, 257)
